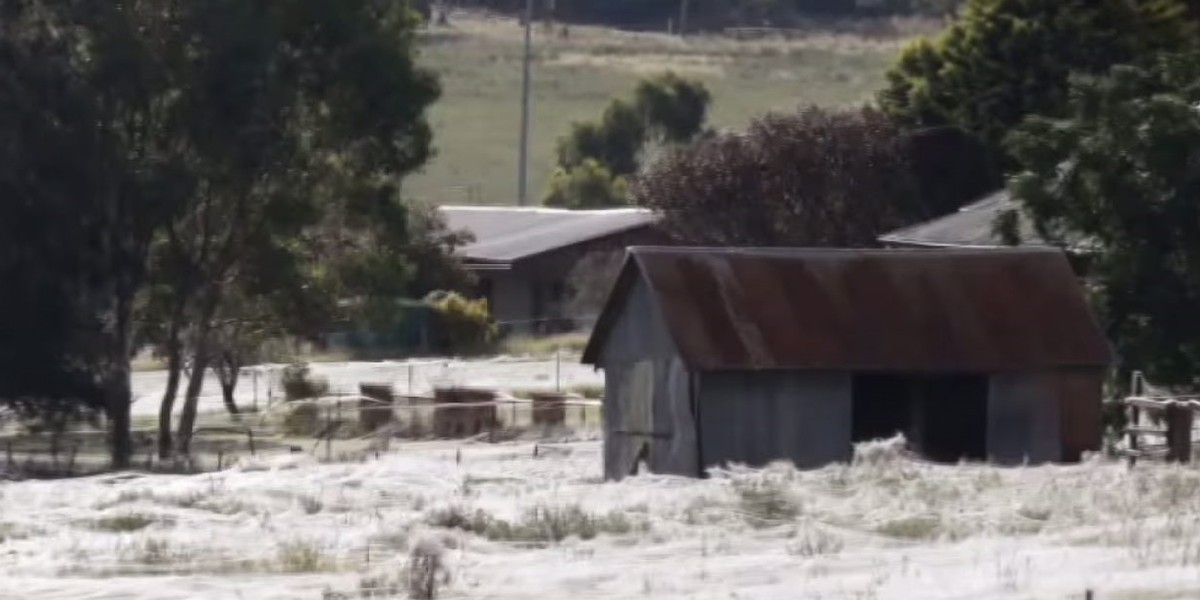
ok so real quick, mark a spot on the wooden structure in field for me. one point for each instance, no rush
(375, 406)
(715, 356)
(463, 412)
(1170, 418)
(549, 408)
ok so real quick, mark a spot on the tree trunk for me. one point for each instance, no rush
(200, 361)
(174, 370)
(187, 420)
(118, 397)
(119, 420)
(227, 374)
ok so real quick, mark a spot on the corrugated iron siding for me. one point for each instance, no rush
(1024, 421)
(755, 418)
(647, 400)
(870, 310)
(1080, 392)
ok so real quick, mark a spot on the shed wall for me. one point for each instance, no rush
(1024, 418)
(638, 332)
(760, 416)
(648, 412)
(1080, 393)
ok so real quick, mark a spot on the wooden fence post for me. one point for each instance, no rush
(71, 457)
(1179, 433)
(328, 435)
(250, 437)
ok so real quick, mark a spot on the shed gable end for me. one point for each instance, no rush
(637, 331)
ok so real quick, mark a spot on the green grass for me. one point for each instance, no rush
(476, 122)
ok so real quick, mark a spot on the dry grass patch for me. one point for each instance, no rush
(915, 528)
(303, 557)
(539, 525)
(124, 523)
(766, 502)
(545, 346)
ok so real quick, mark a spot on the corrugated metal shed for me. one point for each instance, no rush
(504, 234)
(865, 310)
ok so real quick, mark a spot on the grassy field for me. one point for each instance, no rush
(479, 58)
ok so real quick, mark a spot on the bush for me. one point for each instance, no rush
(588, 185)
(299, 384)
(462, 326)
(813, 178)
(594, 158)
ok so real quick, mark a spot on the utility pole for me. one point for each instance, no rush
(683, 17)
(523, 174)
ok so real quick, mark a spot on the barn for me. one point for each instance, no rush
(719, 356)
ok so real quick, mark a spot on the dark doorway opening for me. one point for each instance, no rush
(882, 406)
(943, 417)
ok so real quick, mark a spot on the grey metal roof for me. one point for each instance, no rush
(970, 227)
(504, 234)
(960, 310)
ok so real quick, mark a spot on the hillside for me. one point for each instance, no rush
(476, 123)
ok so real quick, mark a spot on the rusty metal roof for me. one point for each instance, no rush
(865, 310)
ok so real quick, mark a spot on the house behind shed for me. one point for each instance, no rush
(719, 356)
(523, 256)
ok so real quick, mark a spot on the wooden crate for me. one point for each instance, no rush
(452, 420)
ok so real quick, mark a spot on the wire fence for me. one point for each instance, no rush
(342, 424)
(340, 427)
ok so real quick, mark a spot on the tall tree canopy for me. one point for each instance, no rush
(233, 147)
(1004, 59)
(595, 158)
(87, 175)
(814, 178)
(1119, 177)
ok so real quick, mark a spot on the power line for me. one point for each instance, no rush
(523, 163)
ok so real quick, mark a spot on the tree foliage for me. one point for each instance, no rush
(1120, 177)
(594, 158)
(302, 118)
(814, 178)
(1004, 59)
(90, 171)
(588, 185)
(231, 167)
